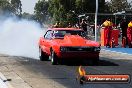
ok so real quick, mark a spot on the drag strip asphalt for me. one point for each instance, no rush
(33, 73)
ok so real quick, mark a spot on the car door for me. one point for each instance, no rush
(47, 41)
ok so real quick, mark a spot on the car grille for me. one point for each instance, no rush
(64, 49)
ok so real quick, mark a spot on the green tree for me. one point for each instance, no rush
(88, 6)
(54, 8)
(10, 7)
(85, 6)
(65, 10)
(79, 4)
(41, 10)
(17, 7)
(62, 10)
(108, 8)
(102, 6)
(118, 5)
(27, 16)
(5, 7)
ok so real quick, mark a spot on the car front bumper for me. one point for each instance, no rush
(79, 55)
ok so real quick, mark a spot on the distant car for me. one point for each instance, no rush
(67, 44)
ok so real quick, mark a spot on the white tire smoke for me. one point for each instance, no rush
(19, 38)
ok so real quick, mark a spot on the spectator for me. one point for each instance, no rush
(124, 26)
(107, 23)
(108, 27)
(83, 25)
(129, 34)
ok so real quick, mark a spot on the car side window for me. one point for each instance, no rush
(48, 35)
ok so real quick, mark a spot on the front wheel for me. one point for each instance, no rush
(54, 60)
(42, 55)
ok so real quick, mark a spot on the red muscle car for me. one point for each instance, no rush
(69, 44)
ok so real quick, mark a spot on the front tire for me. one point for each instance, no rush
(54, 60)
(42, 55)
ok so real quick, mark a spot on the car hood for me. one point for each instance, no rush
(75, 40)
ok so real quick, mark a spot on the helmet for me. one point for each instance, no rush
(106, 23)
(130, 24)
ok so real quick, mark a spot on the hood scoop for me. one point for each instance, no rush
(74, 39)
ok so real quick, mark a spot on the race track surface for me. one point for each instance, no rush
(32, 73)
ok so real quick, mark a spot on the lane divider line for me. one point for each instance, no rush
(2, 78)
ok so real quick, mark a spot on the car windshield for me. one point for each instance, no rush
(62, 33)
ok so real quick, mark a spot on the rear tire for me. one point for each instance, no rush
(42, 55)
(54, 60)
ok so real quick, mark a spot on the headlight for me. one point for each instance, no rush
(97, 49)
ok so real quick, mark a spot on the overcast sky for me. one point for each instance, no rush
(28, 5)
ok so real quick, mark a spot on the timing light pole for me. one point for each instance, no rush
(96, 14)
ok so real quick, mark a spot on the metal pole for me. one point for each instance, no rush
(96, 14)
(115, 19)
